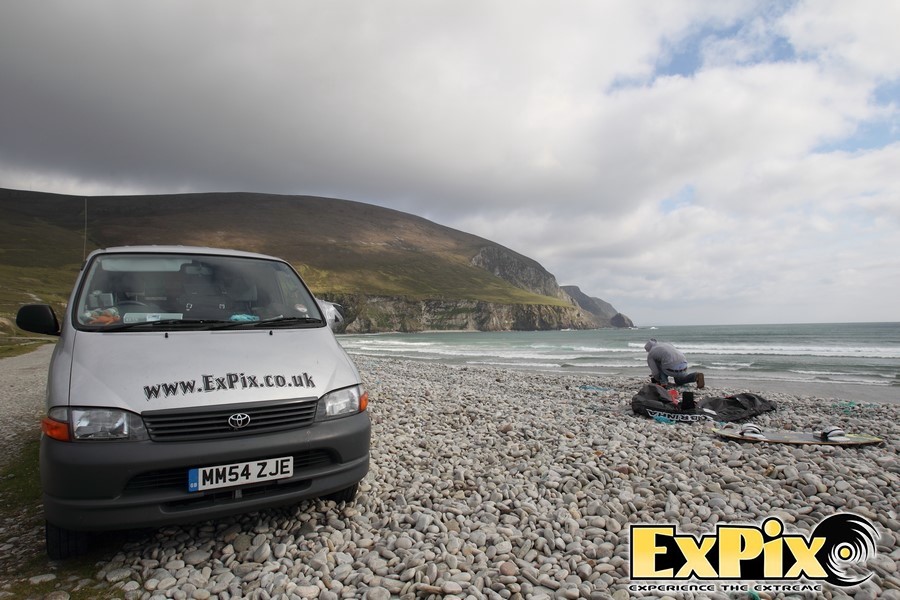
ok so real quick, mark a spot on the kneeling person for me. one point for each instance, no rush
(667, 361)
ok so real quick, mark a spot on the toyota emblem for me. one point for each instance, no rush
(239, 420)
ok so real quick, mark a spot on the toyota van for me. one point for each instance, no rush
(190, 384)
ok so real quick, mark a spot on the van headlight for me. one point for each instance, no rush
(340, 403)
(106, 424)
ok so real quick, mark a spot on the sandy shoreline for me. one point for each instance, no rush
(490, 483)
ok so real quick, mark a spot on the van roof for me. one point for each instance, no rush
(181, 250)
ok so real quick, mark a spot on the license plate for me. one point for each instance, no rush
(221, 476)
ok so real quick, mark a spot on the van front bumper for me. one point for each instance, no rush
(97, 486)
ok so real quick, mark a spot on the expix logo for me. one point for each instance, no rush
(755, 553)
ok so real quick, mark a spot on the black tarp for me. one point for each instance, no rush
(654, 401)
(737, 407)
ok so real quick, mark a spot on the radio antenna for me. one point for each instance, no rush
(84, 249)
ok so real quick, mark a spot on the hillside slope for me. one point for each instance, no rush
(378, 262)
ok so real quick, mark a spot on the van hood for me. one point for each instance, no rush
(141, 371)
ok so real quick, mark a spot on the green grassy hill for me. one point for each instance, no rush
(340, 247)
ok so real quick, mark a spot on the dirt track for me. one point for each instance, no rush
(23, 380)
(22, 386)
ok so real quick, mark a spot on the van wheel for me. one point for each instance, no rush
(348, 494)
(63, 543)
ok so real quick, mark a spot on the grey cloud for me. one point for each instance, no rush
(544, 128)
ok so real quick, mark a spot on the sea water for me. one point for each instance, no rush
(855, 361)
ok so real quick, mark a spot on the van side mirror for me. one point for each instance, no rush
(333, 315)
(38, 318)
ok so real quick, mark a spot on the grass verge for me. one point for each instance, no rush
(10, 347)
(25, 570)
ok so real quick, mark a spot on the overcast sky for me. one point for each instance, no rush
(690, 162)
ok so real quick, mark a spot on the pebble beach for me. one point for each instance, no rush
(493, 483)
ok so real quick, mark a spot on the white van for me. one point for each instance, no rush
(189, 384)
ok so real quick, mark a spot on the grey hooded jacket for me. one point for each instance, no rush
(665, 357)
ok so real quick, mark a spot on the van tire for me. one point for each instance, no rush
(348, 494)
(63, 543)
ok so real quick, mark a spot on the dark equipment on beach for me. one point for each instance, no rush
(736, 407)
(655, 401)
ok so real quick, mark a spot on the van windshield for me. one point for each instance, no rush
(178, 291)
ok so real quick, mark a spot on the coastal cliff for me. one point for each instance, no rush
(574, 309)
(370, 314)
(519, 270)
(604, 313)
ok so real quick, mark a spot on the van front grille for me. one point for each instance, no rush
(234, 420)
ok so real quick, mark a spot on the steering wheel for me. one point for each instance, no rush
(133, 303)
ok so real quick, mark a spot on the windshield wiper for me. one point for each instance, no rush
(274, 322)
(280, 321)
(284, 322)
(173, 323)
